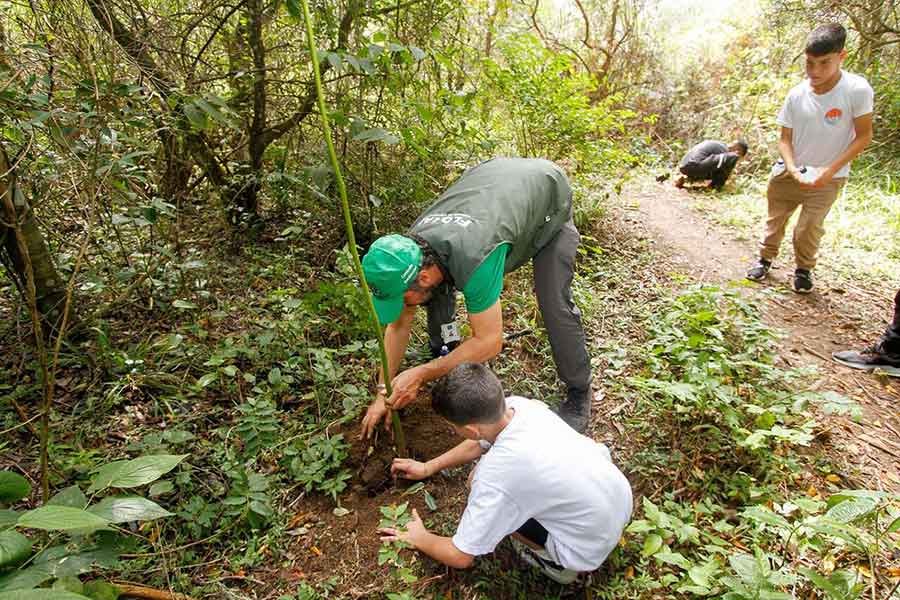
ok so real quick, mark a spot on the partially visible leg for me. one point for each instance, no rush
(890, 341)
(783, 198)
(811, 224)
(883, 355)
(441, 310)
(554, 268)
(533, 534)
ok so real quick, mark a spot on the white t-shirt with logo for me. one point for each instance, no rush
(540, 468)
(822, 124)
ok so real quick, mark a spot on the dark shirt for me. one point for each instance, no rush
(711, 160)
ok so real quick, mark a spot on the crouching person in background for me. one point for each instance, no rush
(711, 161)
(555, 491)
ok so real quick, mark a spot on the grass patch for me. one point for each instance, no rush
(862, 231)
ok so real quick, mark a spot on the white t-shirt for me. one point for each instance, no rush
(540, 468)
(822, 124)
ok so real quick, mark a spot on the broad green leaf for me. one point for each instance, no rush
(261, 508)
(764, 515)
(42, 594)
(840, 531)
(652, 544)
(69, 583)
(376, 134)
(640, 526)
(656, 516)
(101, 590)
(873, 495)
(60, 518)
(196, 117)
(178, 436)
(8, 518)
(673, 558)
(14, 548)
(213, 112)
(207, 379)
(184, 304)
(894, 526)
(13, 487)
(745, 566)
(430, 501)
(71, 496)
(128, 508)
(132, 473)
(24, 579)
(161, 488)
(850, 510)
(820, 582)
(413, 489)
(701, 574)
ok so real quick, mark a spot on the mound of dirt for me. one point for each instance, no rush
(345, 544)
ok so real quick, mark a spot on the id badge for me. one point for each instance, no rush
(450, 332)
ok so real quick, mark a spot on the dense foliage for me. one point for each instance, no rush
(180, 314)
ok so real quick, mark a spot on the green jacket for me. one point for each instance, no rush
(520, 201)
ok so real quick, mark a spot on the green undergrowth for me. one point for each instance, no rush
(862, 232)
(250, 368)
(738, 499)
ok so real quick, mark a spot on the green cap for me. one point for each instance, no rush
(391, 263)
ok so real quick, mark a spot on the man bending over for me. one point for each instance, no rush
(711, 161)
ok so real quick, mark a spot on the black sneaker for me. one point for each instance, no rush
(869, 359)
(759, 271)
(576, 410)
(803, 283)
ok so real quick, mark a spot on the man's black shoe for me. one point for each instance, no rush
(869, 359)
(759, 271)
(803, 283)
(576, 410)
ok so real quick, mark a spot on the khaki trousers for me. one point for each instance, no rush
(785, 195)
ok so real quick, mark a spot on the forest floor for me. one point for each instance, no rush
(837, 315)
(282, 303)
(662, 235)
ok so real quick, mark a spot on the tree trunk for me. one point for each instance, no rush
(26, 249)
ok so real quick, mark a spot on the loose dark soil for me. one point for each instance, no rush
(327, 545)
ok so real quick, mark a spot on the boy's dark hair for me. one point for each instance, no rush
(469, 394)
(742, 144)
(826, 39)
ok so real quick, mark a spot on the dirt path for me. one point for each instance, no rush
(831, 318)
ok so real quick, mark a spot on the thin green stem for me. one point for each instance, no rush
(399, 437)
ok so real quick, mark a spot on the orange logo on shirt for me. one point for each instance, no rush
(833, 116)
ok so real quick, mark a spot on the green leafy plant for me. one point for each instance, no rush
(93, 529)
(396, 516)
(317, 465)
(258, 424)
(248, 497)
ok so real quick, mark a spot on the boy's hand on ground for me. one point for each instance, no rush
(414, 534)
(376, 412)
(405, 388)
(409, 469)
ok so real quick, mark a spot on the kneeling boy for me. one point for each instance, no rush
(556, 491)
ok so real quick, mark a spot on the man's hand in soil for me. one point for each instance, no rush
(405, 388)
(409, 469)
(377, 411)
